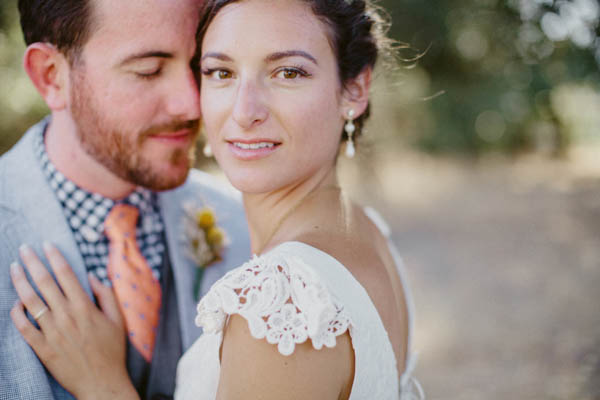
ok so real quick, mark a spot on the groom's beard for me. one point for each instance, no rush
(122, 151)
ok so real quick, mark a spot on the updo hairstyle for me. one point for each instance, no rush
(357, 35)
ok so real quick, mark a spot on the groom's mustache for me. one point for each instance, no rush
(175, 126)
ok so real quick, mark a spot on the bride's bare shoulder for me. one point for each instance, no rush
(356, 243)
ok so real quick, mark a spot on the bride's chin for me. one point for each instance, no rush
(249, 188)
(253, 184)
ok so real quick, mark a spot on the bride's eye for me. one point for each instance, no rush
(218, 74)
(291, 73)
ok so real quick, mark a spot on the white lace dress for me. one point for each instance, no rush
(293, 293)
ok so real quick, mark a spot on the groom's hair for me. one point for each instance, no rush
(65, 24)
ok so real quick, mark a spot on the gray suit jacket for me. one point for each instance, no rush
(30, 213)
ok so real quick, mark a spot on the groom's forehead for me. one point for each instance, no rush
(134, 26)
(161, 9)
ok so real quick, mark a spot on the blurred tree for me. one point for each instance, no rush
(501, 65)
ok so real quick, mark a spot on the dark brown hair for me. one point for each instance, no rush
(357, 32)
(62, 23)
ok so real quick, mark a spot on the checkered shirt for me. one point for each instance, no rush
(86, 212)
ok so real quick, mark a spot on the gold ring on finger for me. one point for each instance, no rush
(40, 313)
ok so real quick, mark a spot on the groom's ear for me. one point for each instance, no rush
(48, 68)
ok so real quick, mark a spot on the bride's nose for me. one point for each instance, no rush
(250, 108)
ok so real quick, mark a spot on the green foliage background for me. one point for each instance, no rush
(512, 80)
(20, 105)
(477, 87)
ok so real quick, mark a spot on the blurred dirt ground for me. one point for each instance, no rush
(503, 257)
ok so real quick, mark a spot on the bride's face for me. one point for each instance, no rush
(272, 101)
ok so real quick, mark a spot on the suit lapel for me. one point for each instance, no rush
(183, 267)
(229, 217)
(37, 203)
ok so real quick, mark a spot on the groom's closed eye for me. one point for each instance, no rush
(146, 68)
(145, 65)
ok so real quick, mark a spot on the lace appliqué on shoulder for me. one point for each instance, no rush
(282, 299)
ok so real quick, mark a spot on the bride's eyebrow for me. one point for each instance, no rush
(290, 53)
(218, 56)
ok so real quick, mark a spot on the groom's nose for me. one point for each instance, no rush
(183, 97)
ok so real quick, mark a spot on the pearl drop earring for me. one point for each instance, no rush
(350, 128)
(207, 150)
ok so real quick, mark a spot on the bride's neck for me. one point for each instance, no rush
(268, 212)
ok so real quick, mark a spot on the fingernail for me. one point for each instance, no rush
(15, 268)
(47, 246)
(25, 250)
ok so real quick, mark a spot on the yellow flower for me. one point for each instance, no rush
(215, 237)
(206, 218)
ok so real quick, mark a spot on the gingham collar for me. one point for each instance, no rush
(85, 213)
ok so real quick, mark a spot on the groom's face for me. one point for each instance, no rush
(133, 95)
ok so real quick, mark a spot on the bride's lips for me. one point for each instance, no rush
(248, 150)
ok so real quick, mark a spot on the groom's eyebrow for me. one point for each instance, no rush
(146, 54)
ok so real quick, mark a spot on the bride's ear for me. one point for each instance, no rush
(47, 67)
(356, 93)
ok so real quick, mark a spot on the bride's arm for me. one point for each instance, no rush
(253, 368)
(83, 348)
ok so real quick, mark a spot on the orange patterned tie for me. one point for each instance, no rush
(136, 288)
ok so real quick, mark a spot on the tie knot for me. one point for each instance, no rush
(121, 222)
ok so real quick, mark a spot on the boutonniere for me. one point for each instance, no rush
(205, 239)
